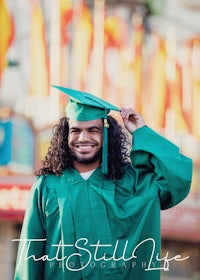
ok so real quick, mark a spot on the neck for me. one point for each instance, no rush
(81, 167)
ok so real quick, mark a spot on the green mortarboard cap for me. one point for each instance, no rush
(84, 106)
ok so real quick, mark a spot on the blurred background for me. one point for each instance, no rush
(140, 54)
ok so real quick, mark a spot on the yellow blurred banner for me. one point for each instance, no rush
(6, 34)
(82, 41)
(39, 58)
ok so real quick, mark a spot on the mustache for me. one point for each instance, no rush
(84, 143)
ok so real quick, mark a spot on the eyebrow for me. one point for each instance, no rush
(94, 127)
(89, 128)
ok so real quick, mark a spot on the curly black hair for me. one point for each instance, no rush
(59, 157)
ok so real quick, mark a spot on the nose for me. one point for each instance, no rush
(83, 136)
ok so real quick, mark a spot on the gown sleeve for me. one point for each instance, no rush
(170, 170)
(31, 247)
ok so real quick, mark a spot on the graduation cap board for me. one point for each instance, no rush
(84, 106)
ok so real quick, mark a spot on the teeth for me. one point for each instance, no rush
(85, 146)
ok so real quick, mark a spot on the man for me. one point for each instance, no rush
(93, 213)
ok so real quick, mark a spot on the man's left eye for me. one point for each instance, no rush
(94, 131)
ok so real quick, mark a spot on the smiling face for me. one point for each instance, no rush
(85, 142)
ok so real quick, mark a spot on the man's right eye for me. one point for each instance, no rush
(74, 130)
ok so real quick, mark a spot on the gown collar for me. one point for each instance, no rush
(97, 175)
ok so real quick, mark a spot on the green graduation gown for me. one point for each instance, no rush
(102, 229)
